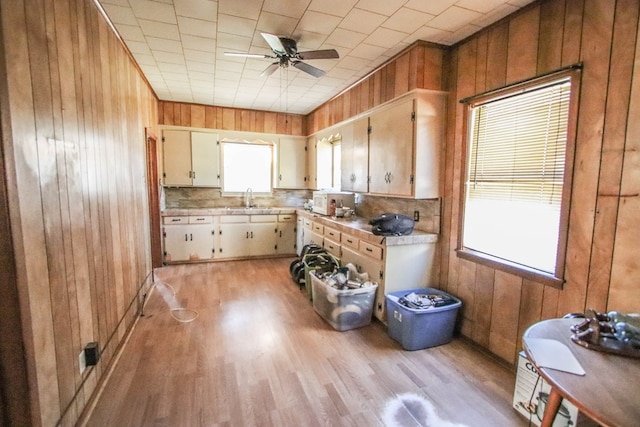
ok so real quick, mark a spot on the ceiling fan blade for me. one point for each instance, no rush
(309, 69)
(319, 54)
(270, 69)
(275, 43)
(247, 55)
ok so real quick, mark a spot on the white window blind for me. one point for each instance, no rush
(515, 175)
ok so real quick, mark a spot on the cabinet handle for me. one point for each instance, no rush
(252, 234)
(349, 241)
(247, 234)
(186, 238)
(175, 220)
(280, 233)
(280, 177)
(194, 175)
(368, 249)
(191, 237)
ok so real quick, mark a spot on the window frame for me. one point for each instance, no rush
(268, 144)
(555, 279)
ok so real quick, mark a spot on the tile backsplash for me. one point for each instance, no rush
(367, 206)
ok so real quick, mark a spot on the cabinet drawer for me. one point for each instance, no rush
(200, 220)
(307, 223)
(332, 234)
(370, 250)
(350, 241)
(332, 247)
(234, 219)
(318, 228)
(264, 218)
(286, 218)
(176, 220)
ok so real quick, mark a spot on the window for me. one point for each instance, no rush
(246, 165)
(520, 151)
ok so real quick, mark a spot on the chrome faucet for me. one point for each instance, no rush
(248, 198)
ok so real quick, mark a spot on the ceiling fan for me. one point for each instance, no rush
(286, 52)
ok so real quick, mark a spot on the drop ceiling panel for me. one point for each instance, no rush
(180, 44)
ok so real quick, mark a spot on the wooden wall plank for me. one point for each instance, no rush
(504, 339)
(572, 34)
(483, 305)
(595, 53)
(466, 291)
(498, 39)
(523, 45)
(551, 32)
(198, 116)
(624, 292)
(617, 106)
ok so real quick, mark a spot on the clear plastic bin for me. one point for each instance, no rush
(343, 309)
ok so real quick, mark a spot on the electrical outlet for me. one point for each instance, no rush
(416, 216)
(82, 362)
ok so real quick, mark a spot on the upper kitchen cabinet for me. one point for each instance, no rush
(405, 141)
(355, 152)
(312, 167)
(292, 163)
(190, 159)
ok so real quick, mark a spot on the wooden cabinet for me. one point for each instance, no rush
(393, 267)
(247, 235)
(299, 234)
(287, 235)
(190, 159)
(391, 150)
(312, 166)
(188, 238)
(292, 163)
(354, 157)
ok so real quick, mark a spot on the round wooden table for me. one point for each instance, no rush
(608, 393)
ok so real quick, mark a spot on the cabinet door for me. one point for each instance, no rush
(201, 242)
(391, 143)
(287, 234)
(205, 159)
(262, 239)
(312, 167)
(234, 240)
(176, 243)
(176, 147)
(292, 163)
(299, 235)
(355, 156)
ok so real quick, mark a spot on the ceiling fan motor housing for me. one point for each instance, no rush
(289, 46)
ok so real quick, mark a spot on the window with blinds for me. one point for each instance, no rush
(516, 163)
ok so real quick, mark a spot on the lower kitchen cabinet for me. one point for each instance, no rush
(287, 235)
(247, 235)
(188, 238)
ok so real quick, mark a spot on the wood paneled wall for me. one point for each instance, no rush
(224, 118)
(420, 66)
(602, 270)
(74, 109)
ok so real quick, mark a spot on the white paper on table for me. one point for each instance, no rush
(553, 354)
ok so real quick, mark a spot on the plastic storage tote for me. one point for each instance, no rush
(418, 328)
(343, 309)
(321, 262)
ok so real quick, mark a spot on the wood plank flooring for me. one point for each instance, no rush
(258, 354)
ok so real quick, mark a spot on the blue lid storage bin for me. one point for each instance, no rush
(343, 309)
(418, 328)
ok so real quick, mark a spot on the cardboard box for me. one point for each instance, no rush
(531, 394)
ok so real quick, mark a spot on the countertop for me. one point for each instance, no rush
(356, 226)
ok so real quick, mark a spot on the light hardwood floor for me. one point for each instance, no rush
(258, 355)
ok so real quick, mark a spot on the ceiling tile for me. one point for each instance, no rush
(385, 37)
(367, 51)
(236, 25)
(407, 20)
(159, 29)
(198, 43)
(199, 56)
(233, 43)
(131, 33)
(138, 47)
(294, 9)
(333, 7)
(384, 7)
(362, 21)
(345, 38)
(153, 11)
(199, 9)
(317, 22)
(200, 66)
(164, 45)
(453, 18)
(432, 7)
(197, 27)
(168, 57)
(276, 24)
(495, 15)
(249, 9)
(121, 14)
